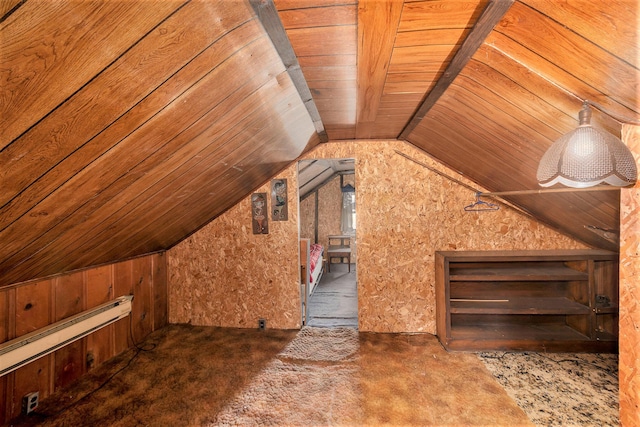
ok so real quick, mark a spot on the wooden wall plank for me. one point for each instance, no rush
(98, 290)
(4, 336)
(595, 20)
(33, 307)
(323, 40)
(146, 142)
(440, 14)
(6, 8)
(176, 213)
(161, 55)
(560, 52)
(486, 21)
(123, 285)
(318, 16)
(69, 300)
(141, 311)
(55, 48)
(160, 291)
(201, 165)
(30, 306)
(377, 23)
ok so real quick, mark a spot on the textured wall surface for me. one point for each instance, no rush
(629, 364)
(405, 213)
(224, 275)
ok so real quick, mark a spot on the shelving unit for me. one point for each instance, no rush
(527, 300)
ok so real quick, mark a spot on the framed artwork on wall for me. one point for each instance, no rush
(259, 221)
(279, 200)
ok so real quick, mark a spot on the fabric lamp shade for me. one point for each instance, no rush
(586, 157)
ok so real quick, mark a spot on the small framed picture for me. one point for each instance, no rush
(279, 200)
(259, 213)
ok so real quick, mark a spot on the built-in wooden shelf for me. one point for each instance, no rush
(527, 300)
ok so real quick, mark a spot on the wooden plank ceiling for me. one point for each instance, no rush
(127, 126)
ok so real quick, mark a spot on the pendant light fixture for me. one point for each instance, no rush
(587, 156)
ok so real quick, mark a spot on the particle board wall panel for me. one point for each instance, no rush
(405, 214)
(224, 275)
(66, 47)
(307, 218)
(629, 363)
(140, 152)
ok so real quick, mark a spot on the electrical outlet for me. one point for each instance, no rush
(30, 402)
(262, 324)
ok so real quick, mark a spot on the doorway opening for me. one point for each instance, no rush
(327, 195)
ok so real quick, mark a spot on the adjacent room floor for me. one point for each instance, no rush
(334, 302)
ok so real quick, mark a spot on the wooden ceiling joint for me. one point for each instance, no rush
(492, 14)
(268, 16)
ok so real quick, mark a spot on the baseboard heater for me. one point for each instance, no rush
(29, 347)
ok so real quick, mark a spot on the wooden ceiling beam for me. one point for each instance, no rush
(378, 22)
(268, 16)
(490, 17)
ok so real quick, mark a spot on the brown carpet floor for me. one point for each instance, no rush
(200, 376)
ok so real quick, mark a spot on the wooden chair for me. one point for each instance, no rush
(341, 250)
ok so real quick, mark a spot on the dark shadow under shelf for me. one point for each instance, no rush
(551, 273)
(523, 305)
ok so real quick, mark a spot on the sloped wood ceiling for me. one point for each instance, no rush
(126, 126)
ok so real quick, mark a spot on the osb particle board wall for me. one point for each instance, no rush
(225, 275)
(629, 363)
(30, 306)
(405, 213)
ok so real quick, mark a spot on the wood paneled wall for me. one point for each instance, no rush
(30, 306)
(629, 364)
(225, 276)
